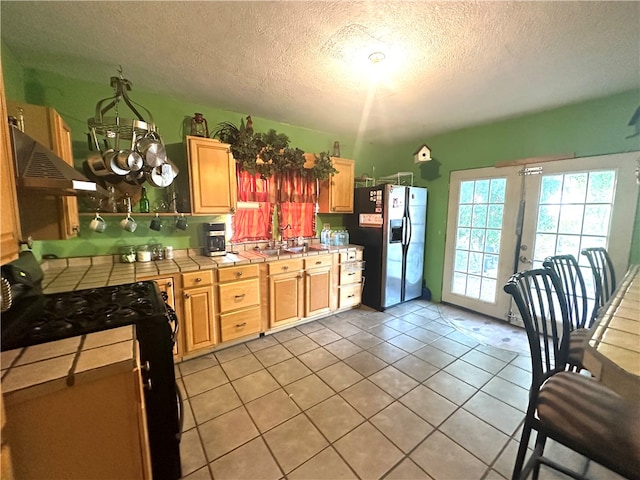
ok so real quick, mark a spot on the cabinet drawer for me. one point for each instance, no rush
(237, 273)
(240, 294)
(238, 324)
(350, 295)
(285, 266)
(350, 256)
(348, 276)
(197, 279)
(317, 261)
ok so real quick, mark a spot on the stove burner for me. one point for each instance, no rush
(63, 315)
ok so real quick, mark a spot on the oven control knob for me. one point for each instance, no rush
(146, 366)
(147, 385)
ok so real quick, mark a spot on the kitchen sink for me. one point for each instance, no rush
(271, 252)
(296, 249)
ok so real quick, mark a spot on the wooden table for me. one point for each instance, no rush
(612, 352)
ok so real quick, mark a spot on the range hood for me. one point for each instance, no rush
(38, 168)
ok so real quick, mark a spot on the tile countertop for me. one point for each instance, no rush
(42, 369)
(48, 367)
(78, 273)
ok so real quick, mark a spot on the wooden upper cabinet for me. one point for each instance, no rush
(212, 176)
(10, 224)
(336, 193)
(43, 216)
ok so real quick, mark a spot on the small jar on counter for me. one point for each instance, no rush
(168, 252)
(143, 253)
(128, 254)
(157, 252)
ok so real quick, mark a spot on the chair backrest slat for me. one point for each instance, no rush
(604, 277)
(567, 270)
(539, 299)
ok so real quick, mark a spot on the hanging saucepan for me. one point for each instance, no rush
(128, 161)
(152, 150)
(135, 178)
(96, 165)
(162, 176)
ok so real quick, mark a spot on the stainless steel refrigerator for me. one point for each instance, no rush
(389, 221)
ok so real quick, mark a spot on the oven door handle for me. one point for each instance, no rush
(173, 318)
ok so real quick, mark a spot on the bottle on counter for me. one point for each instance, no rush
(144, 202)
(325, 235)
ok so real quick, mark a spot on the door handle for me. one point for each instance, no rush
(524, 259)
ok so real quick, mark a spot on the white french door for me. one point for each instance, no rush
(503, 220)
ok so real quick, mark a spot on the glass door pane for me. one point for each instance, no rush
(480, 221)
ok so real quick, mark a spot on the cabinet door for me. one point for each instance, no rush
(285, 292)
(212, 176)
(317, 291)
(336, 194)
(61, 135)
(198, 320)
(10, 224)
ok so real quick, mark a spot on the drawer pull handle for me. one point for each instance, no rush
(286, 267)
(240, 296)
(243, 324)
(169, 285)
(351, 273)
(198, 279)
(318, 262)
(186, 295)
(350, 296)
(238, 274)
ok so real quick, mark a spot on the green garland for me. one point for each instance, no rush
(269, 153)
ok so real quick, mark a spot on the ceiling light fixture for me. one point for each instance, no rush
(376, 57)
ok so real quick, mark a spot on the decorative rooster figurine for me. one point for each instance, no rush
(249, 127)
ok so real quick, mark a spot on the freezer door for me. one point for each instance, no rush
(392, 260)
(415, 236)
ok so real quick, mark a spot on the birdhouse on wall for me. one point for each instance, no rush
(423, 154)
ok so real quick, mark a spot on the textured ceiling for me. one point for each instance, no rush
(448, 64)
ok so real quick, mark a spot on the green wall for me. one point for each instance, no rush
(76, 101)
(589, 128)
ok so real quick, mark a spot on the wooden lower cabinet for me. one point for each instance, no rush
(286, 290)
(239, 301)
(93, 429)
(350, 279)
(198, 311)
(317, 285)
(240, 323)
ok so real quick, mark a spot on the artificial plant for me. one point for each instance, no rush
(269, 153)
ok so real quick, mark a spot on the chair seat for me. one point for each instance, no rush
(577, 339)
(592, 420)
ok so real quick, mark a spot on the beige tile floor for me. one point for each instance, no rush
(421, 391)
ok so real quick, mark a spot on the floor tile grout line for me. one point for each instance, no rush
(387, 364)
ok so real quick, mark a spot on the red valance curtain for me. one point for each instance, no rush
(252, 222)
(295, 195)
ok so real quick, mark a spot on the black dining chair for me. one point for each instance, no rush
(575, 294)
(604, 277)
(572, 409)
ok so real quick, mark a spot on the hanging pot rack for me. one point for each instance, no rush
(125, 138)
(114, 126)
